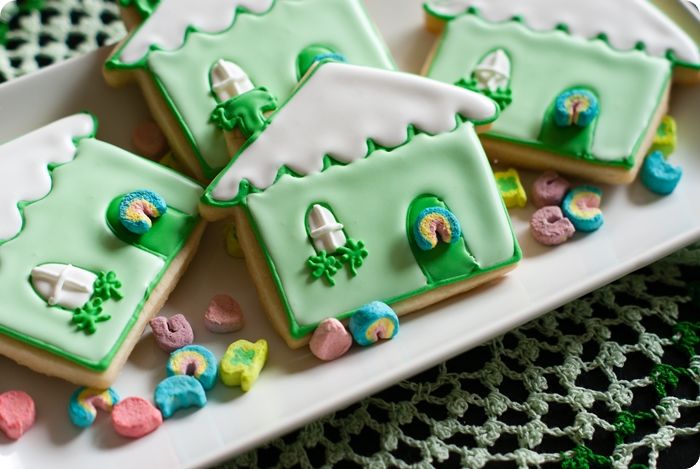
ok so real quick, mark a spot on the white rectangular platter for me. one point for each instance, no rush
(295, 388)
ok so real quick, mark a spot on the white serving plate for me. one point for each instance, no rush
(295, 388)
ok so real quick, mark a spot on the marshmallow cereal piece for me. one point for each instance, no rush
(223, 315)
(434, 224)
(373, 322)
(148, 140)
(83, 405)
(549, 226)
(195, 361)
(660, 176)
(666, 137)
(549, 189)
(179, 392)
(172, 333)
(17, 413)
(135, 417)
(137, 208)
(242, 363)
(582, 207)
(511, 188)
(330, 340)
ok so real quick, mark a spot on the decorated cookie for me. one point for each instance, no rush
(382, 188)
(582, 85)
(85, 283)
(226, 64)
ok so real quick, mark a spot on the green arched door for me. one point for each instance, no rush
(445, 261)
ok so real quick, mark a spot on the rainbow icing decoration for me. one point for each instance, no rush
(84, 402)
(576, 107)
(137, 208)
(582, 207)
(195, 361)
(434, 221)
(373, 322)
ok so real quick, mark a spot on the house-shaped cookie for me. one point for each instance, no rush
(582, 85)
(76, 285)
(239, 56)
(365, 185)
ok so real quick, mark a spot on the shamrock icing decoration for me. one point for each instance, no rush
(353, 254)
(107, 286)
(87, 317)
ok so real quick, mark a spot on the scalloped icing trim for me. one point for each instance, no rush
(645, 28)
(380, 109)
(26, 164)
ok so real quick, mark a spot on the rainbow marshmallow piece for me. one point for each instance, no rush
(84, 402)
(434, 221)
(373, 322)
(582, 207)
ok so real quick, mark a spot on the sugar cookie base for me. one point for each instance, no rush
(272, 304)
(52, 365)
(524, 156)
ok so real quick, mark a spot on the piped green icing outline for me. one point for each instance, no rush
(246, 188)
(106, 361)
(626, 162)
(298, 331)
(640, 45)
(502, 97)
(145, 8)
(50, 167)
(114, 63)
(340, 258)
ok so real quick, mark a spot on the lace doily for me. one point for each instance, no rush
(610, 380)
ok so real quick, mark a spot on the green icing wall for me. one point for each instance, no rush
(371, 197)
(266, 47)
(69, 226)
(629, 84)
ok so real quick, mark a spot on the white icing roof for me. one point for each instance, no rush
(624, 22)
(24, 176)
(337, 110)
(167, 27)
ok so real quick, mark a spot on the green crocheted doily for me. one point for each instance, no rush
(610, 380)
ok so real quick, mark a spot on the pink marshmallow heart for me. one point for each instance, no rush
(224, 315)
(173, 333)
(17, 413)
(135, 417)
(330, 340)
